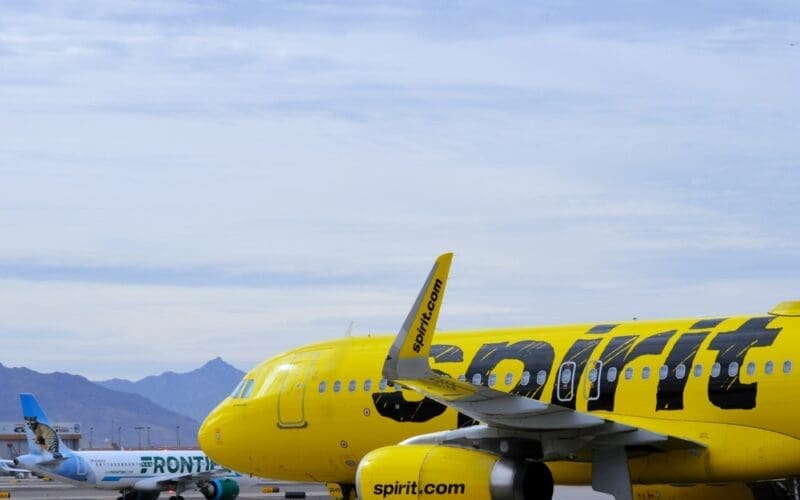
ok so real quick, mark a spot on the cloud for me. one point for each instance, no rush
(309, 160)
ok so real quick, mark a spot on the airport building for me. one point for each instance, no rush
(13, 441)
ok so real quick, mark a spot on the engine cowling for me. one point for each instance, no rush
(220, 489)
(423, 471)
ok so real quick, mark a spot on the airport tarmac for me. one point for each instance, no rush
(37, 489)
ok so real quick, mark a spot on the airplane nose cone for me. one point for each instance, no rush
(217, 439)
(210, 435)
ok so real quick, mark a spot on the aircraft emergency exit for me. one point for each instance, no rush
(506, 413)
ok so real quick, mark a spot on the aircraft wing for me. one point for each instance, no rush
(560, 432)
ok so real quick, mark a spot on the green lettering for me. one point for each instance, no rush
(158, 465)
(186, 464)
(172, 464)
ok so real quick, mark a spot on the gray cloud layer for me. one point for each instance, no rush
(187, 179)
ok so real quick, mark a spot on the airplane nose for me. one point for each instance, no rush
(215, 438)
(210, 434)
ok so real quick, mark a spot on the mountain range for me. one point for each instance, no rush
(193, 393)
(166, 408)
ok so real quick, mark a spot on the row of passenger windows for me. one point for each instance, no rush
(680, 372)
(353, 385)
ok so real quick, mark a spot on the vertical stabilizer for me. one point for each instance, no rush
(42, 436)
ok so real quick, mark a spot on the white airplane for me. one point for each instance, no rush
(7, 469)
(137, 475)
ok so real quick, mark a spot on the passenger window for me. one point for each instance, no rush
(367, 385)
(541, 377)
(382, 385)
(751, 368)
(611, 374)
(680, 371)
(787, 367)
(646, 372)
(237, 390)
(663, 372)
(337, 386)
(768, 367)
(352, 386)
(462, 378)
(733, 369)
(526, 377)
(715, 369)
(509, 378)
(698, 370)
(492, 380)
(476, 379)
(248, 389)
(628, 373)
(323, 386)
(592, 375)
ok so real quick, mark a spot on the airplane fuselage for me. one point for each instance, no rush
(728, 384)
(119, 470)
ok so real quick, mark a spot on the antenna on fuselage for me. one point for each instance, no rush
(349, 331)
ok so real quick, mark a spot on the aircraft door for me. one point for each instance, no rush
(566, 382)
(594, 374)
(291, 398)
(80, 467)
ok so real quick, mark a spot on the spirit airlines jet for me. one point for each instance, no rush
(138, 475)
(506, 413)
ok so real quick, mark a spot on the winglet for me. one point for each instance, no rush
(408, 356)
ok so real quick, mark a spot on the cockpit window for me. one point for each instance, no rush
(248, 389)
(237, 390)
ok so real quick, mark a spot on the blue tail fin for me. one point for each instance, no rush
(42, 436)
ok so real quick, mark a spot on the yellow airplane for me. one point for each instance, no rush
(506, 413)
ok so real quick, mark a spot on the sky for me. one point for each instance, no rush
(181, 180)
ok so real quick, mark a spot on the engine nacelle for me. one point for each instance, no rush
(220, 489)
(424, 471)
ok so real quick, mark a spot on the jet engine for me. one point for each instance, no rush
(220, 489)
(423, 471)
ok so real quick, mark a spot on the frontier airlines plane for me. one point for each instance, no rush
(506, 413)
(137, 475)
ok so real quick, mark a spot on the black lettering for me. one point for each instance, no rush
(579, 354)
(651, 345)
(726, 391)
(679, 364)
(707, 324)
(599, 329)
(613, 357)
(535, 355)
(394, 404)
